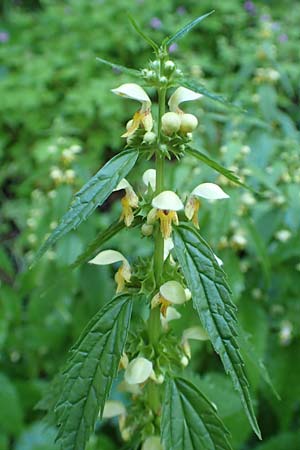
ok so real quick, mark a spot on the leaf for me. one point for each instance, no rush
(257, 362)
(187, 28)
(89, 372)
(189, 420)
(201, 89)
(142, 34)
(91, 195)
(212, 300)
(216, 166)
(97, 243)
(120, 68)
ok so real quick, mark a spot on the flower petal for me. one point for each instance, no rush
(108, 257)
(210, 191)
(168, 246)
(149, 177)
(167, 200)
(122, 185)
(198, 333)
(113, 408)
(138, 370)
(133, 91)
(173, 292)
(181, 95)
(152, 443)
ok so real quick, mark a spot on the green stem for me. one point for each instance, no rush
(154, 320)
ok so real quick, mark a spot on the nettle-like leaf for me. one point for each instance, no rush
(201, 89)
(89, 372)
(216, 166)
(91, 195)
(132, 72)
(189, 420)
(187, 28)
(142, 34)
(212, 300)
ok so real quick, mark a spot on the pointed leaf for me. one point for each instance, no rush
(189, 420)
(216, 166)
(89, 372)
(91, 195)
(212, 300)
(120, 68)
(187, 28)
(142, 34)
(198, 87)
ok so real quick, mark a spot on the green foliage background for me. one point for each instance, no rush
(59, 123)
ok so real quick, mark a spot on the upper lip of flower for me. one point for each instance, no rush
(210, 191)
(168, 201)
(181, 95)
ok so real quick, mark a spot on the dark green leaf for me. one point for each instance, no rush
(189, 420)
(91, 195)
(120, 68)
(212, 300)
(89, 372)
(142, 34)
(216, 166)
(201, 89)
(187, 28)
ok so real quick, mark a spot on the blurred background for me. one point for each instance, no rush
(60, 122)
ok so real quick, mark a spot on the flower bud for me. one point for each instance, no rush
(138, 370)
(129, 124)
(149, 137)
(184, 361)
(169, 67)
(147, 229)
(152, 443)
(170, 123)
(188, 123)
(151, 217)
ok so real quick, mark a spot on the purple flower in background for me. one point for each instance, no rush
(181, 10)
(155, 23)
(249, 7)
(4, 36)
(283, 37)
(173, 48)
(265, 18)
(275, 26)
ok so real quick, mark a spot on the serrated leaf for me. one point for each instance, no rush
(120, 68)
(216, 166)
(187, 28)
(90, 371)
(142, 34)
(91, 195)
(189, 420)
(212, 300)
(201, 89)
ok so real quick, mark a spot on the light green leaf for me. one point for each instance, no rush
(11, 415)
(187, 28)
(91, 195)
(120, 68)
(216, 166)
(201, 89)
(189, 420)
(212, 300)
(142, 34)
(88, 375)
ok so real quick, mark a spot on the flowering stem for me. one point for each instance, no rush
(154, 320)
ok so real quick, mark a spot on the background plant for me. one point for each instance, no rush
(36, 330)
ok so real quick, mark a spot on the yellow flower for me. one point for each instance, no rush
(129, 202)
(170, 293)
(142, 116)
(210, 191)
(123, 274)
(167, 204)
